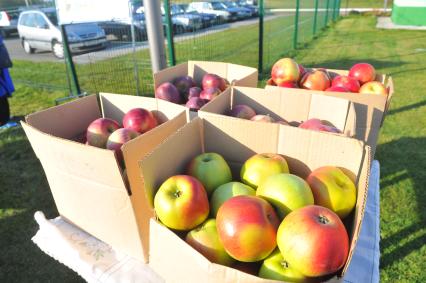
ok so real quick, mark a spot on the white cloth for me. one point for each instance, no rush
(97, 262)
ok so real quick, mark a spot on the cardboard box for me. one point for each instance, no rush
(237, 140)
(235, 74)
(86, 182)
(293, 108)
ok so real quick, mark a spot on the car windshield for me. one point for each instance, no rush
(230, 4)
(218, 6)
(175, 10)
(53, 18)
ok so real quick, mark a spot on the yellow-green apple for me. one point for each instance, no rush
(99, 130)
(227, 191)
(286, 192)
(242, 111)
(195, 103)
(262, 118)
(313, 240)
(285, 70)
(117, 139)
(260, 166)
(349, 83)
(213, 81)
(315, 80)
(363, 72)
(337, 89)
(333, 189)
(319, 125)
(209, 93)
(211, 169)
(139, 120)
(181, 203)
(277, 268)
(167, 91)
(183, 84)
(247, 227)
(205, 240)
(374, 88)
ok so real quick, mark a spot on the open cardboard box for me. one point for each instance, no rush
(237, 140)
(235, 74)
(293, 108)
(86, 182)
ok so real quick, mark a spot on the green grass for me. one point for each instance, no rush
(401, 150)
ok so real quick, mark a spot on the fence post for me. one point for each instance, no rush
(154, 28)
(315, 17)
(169, 33)
(296, 24)
(335, 10)
(338, 8)
(261, 14)
(69, 62)
(326, 12)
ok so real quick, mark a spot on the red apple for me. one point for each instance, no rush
(195, 103)
(270, 82)
(210, 93)
(288, 84)
(213, 81)
(285, 70)
(242, 111)
(337, 89)
(346, 82)
(313, 240)
(118, 138)
(373, 88)
(363, 72)
(181, 203)
(99, 130)
(262, 118)
(315, 80)
(247, 227)
(194, 92)
(318, 125)
(167, 91)
(183, 84)
(139, 120)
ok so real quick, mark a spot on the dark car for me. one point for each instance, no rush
(253, 9)
(122, 30)
(236, 13)
(207, 19)
(247, 12)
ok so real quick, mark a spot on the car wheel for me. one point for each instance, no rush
(57, 49)
(27, 47)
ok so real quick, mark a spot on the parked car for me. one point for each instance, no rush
(207, 7)
(183, 21)
(254, 9)
(122, 30)
(242, 12)
(235, 13)
(8, 22)
(207, 19)
(38, 29)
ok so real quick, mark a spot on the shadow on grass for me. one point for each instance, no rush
(407, 107)
(401, 159)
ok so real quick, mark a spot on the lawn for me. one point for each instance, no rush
(401, 151)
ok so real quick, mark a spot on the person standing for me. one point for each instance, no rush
(6, 84)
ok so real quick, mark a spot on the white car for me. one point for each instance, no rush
(38, 29)
(8, 22)
(207, 8)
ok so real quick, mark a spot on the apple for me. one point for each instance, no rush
(242, 111)
(363, 72)
(117, 139)
(285, 70)
(313, 240)
(277, 268)
(288, 84)
(263, 118)
(337, 89)
(270, 82)
(247, 227)
(302, 71)
(227, 191)
(315, 80)
(167, 91)
(183, 84)
(260, 166)
(139, 120)
(181, 203)
(205, 240)
(211, 169)
(286, 192)
(99, 130)
(319, 125)
(194, 92)
(213, 81)
(195, 103)
(333, 189)
(346, 82)
(210, 93)
(374, 88)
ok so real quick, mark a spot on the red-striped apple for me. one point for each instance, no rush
(363, 72)
(285, 70)
(316, 80)
(139, 120)
(213, 81)
(319, 125)
(118, 138)
(349, 83)
(99, 130)
(167, 91)
(242, 111)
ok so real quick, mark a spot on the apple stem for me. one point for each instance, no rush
(284, 263)
(322, 219)
(177, 194)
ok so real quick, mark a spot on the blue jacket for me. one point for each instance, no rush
(6, 84)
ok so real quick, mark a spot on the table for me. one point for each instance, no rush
(97, 262)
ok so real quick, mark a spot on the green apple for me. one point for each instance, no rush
(277, 268)
(211, 170)
(227, 191)
(205, 240)
(286, 192)
(260, 166)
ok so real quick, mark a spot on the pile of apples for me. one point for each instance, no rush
(271, 223)
(243, 111)
(183, 90)
(108, 133)
(361, 78)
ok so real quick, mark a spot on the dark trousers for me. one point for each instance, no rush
(4, 110)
